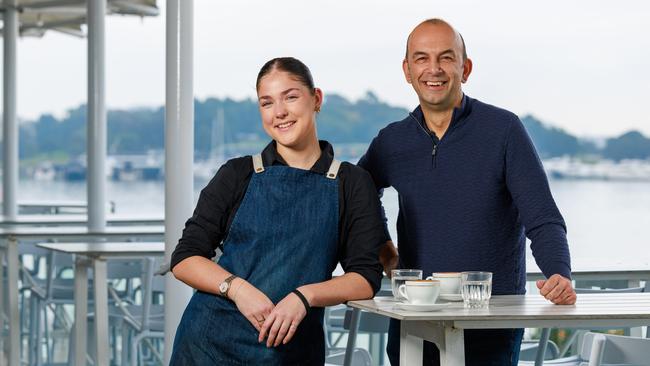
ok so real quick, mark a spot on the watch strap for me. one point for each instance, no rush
(228, 280)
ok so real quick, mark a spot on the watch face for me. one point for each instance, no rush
(223, 287)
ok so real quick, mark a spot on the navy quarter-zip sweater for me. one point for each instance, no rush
(468, 201)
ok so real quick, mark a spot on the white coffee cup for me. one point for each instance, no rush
(420, 292)
(449, 282)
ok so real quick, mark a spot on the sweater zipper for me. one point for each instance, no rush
(434, 149)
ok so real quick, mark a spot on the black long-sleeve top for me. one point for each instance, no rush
(361, 231)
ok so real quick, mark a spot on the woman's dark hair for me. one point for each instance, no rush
(291, 65)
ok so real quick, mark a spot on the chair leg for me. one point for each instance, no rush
(49, 343)
(32, 337)
(135, 354)
(39, 333)
(71, 347)
(352, 336)
(125, 346)
(541, 349)
(113, 342)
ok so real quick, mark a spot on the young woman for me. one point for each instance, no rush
(283, 219)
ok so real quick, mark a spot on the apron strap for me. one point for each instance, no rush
(258, 166)
(334, 169)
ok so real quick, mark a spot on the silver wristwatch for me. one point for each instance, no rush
(225, 286)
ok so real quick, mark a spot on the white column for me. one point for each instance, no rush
(10, 127)
(179, 149)
(96, 120)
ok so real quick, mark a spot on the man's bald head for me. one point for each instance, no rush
(438, 21)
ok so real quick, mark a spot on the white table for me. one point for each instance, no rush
(9, 240)
(446, 328)
(94, 255)
(77, 220)
(56, 207)
(633, 270)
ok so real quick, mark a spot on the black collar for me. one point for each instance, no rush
(271, 157)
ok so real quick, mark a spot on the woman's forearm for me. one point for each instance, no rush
(350, 286)
(203, 274)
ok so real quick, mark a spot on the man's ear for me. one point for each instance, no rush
(405, 68)
(467, 69)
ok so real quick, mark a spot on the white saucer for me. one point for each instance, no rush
(421, 307)
(451, 297)
(386, 299)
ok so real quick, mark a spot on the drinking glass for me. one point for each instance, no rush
(476, 289)
(399, 277)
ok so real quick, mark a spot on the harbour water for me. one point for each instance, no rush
(605, 219)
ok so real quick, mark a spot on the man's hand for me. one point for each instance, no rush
(388, 257)
(557, 289)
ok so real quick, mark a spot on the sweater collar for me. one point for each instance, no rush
(457, 115)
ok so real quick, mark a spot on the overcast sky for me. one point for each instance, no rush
(579, 65)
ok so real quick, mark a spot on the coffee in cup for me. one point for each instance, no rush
(420, 291)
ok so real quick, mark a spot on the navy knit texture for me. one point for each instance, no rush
(468, 201)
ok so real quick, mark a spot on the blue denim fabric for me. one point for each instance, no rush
(284, 235)
(483, 347)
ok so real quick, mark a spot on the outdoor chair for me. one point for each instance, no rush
(142, 322)
(360, 357)
(333, 326)
(544, 344)
(581, 359)
(529, 350)
(361, 321)
(56, 291)
(609, 349)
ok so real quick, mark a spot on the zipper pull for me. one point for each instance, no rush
(433, 155)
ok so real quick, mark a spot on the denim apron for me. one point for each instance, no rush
(284, 235)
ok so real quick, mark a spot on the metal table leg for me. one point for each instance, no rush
(12, 296)
(80, 310)
(101, 311)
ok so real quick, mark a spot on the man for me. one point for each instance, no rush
(471, 188)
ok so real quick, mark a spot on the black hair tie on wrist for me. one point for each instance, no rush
(303, 299)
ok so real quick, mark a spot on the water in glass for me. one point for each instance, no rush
(400, 276)
(476, 289)
(476, 294)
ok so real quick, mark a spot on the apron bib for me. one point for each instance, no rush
(284, 235)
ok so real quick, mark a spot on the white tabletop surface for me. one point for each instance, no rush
(75, 219)
(44, 231)
(525, 307)
(108, 249)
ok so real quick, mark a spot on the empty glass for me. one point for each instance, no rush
(400, 276)
(476, 289)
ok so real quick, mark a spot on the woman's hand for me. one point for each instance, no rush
(251, 302)
(283, 321)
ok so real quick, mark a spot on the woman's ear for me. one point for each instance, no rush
(318, 98)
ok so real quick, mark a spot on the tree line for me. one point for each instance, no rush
(137, 131)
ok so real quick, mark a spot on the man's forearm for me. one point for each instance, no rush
(550, 249)
(388, 257)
